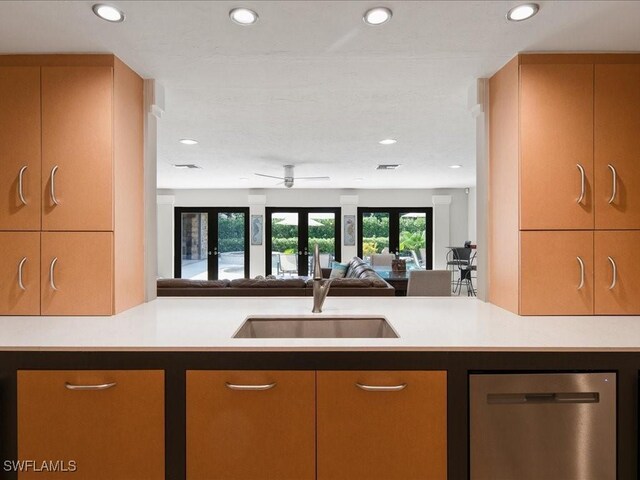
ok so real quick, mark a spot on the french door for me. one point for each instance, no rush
(211, 243)
(291, 234)
(405, 232)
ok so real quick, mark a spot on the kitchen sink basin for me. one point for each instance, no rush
(312, 326)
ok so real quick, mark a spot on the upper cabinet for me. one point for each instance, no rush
(77, 151)
(617, 146)
(556, 147)
(19, 148)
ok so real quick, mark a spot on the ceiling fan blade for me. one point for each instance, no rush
(313, 178)
(267, 176)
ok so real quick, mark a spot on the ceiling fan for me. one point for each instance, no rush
(289, 179)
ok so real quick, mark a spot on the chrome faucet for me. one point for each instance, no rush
(320, 286)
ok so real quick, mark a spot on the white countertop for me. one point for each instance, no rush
(424, 324)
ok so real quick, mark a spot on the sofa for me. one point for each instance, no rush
(360, 280)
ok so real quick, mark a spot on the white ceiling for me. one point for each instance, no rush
(310, 84)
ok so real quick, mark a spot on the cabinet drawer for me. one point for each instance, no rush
(81, 264)
(114, 433)
(250, 425)
(556, 273)
(369, 432)
(20, 273)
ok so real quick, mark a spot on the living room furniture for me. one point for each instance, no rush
(429, 283)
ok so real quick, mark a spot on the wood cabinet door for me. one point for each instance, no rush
(251, 425)
(109, 422)
(556, 142)
(556, 273)
(20, 273)
(617, 284)
(77, 273)
(365, 432)
(77, 133)
(20, 148)
(617, 147)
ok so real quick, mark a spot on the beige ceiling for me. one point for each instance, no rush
(310, 84)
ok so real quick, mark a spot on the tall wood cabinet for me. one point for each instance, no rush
(71, 171)
(564, 182)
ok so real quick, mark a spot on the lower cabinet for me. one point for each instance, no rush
(109, 423)
(77, 273)
(556, 273)
(20, 273)
(382, 425)
(251, 425)
(617, 281)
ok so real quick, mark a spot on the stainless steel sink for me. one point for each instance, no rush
(316, 327)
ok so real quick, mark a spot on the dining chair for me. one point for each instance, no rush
(288, 263)
(429, 283)
(382, 259)
(466, 270)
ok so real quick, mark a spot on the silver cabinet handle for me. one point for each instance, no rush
(381, 388)
(614, 183)
(20, 266)
(614, 273)
(52, 267)
(581, 263)
(101, 386)
(53, 185)
(232, 386)
(20, 189)
(583, 183)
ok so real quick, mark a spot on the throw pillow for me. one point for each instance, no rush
(338, 270)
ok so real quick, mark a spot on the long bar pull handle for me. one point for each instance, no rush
(52, 267)
(614, 183)
(381, 388)
(581, 263)
(54, 199)
(20, 185)
(233, 386)
(614, 273)
(20, 268)
(101, 386)
(583, 183)
(537, 398)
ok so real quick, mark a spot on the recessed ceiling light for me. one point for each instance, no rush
(243, 16)
(455, 166)
(377, 16)
(387, 141)
(522, 12)
(108, 13)
(244, 179)
(359, 179)
(188, 141)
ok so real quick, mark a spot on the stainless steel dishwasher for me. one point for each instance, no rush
(543, 426)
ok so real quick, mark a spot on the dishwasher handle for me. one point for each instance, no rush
(538, 398)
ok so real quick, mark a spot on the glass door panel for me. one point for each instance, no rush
(322, 230)
(375, 234)
(232, 245)
(285, 243)
(412, 246)
(194, 257)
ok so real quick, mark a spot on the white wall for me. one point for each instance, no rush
(456, 234)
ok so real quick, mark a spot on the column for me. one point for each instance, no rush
(441, 230)
(257, 255)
